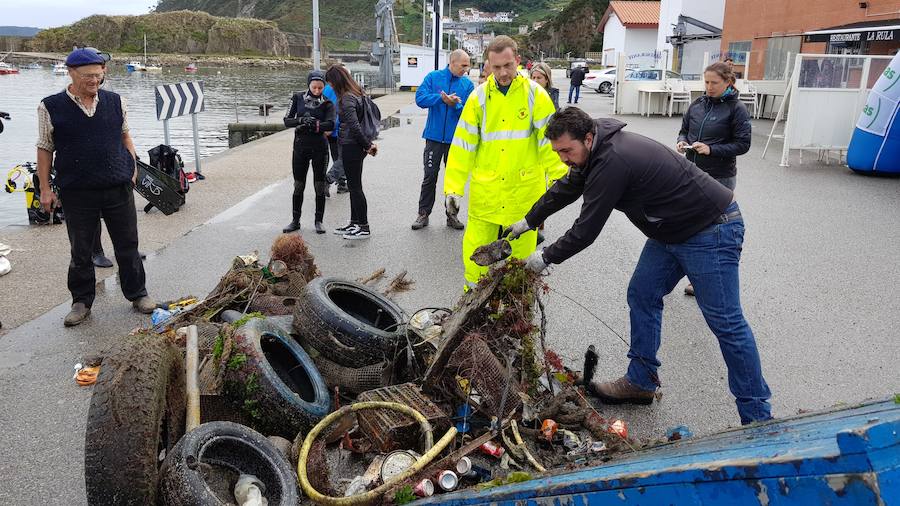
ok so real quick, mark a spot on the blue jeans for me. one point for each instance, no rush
(577, 90)
(710, 261)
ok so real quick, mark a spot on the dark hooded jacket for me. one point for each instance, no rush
(723, 124)
(667, 197)
(311, 117)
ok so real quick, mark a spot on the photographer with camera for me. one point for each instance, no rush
(311, 115)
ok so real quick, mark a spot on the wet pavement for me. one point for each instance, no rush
(817, 270)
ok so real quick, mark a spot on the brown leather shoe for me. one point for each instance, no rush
(421, 222)
(78, 314)
(620, 391)
(144, 304)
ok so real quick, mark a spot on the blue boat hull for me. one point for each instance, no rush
(847, 456)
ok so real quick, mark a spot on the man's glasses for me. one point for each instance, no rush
(90, 77)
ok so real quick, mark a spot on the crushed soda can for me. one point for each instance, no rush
(492, 449)
(424, 488)
(549, 428)
(618, 427)
(446, 480)
(464, 466)
(680, 432)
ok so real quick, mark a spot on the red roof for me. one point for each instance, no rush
(632, 14)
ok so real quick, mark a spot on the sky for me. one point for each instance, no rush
(50, 13)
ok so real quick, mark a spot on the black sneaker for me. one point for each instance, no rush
(360, 232)
(343, 230)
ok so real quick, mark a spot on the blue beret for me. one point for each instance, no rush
(84, 56)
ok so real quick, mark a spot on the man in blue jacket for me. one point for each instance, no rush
(443, 93)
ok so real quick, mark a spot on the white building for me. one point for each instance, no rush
(475, 44)
(630, 27)
(473, 15)
(688, 29)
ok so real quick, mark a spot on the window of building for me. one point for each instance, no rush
(777, 50)
(738, 51)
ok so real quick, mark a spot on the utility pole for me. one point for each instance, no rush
(317, 50)
(438, 42)
(424, 23)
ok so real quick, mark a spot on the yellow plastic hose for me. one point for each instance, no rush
(365, 498)
(537, 465)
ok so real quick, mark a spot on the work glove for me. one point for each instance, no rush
(518, 228)
(452, 203)
(536, 263)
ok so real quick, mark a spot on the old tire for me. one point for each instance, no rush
(273, 381)
(604, 87)
(136, 416)
(201, 470)
(353, 324)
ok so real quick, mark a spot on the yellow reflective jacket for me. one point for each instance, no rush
(499, 141)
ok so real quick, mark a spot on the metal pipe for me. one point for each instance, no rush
(192, 373)
(317, 65)
(196, 143)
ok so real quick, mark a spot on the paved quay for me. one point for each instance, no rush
(40, 254)
(818, 286)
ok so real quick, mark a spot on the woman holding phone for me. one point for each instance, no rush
(716, 129)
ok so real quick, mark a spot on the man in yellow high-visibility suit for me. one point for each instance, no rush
(499, 142)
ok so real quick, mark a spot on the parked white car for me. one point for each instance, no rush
(602, 81)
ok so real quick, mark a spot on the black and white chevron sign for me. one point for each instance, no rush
(173, 100)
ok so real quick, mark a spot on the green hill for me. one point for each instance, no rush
(355, 19)
(572, 30)
(168, 32)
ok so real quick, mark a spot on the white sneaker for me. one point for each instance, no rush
(358, 233)
(346, 228)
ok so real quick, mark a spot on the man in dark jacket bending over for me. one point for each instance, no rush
(694, 228)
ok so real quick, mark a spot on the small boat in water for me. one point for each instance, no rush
(33, 66)
(191, 67)
(60, 69)
(133, 66)
(6, 68)
(152, 68)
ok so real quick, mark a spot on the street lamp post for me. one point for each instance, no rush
(317, 64)
(436, 5)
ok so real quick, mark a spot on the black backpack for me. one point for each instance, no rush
(167, 159)
(369, 118)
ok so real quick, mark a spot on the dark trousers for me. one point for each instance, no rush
(301, 159)
(352, 155)
(84, 208)
(577, 90)
(434, 153)
(336, 172)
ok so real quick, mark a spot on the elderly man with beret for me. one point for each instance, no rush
(83, 135)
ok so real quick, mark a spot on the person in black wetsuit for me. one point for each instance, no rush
(311, 115)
